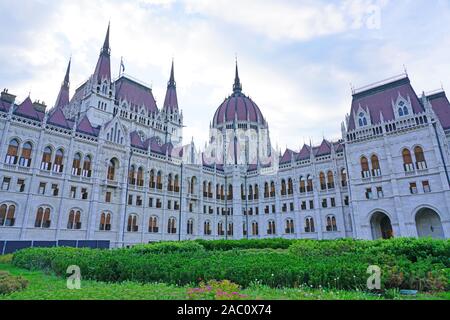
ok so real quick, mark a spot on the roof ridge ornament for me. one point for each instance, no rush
(237, 86)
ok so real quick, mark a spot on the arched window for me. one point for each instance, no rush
(302, 184)
(7, 215)
(222, 192)
(177, 184)
(309, 186)
(152, 183)
(400, 112)
(59, 159)
(43, 218)
(272, 189)
(376, 170)
(140, 177)
(270, 228)
(230, 229)
(362, 120)
(220, 231)
(159, 181)
(113, 164)
(365, 171)
(330, 180)
(323, 184)
(207, 228)
(242, 192)
(74, 221)
(331, 223)
(290, 226)
(87, 167)
(256, 196)
(344, 177)
(309, 225)
(250, 192)
(283, 187)
(105, 221)
(25, 157)
(407, 160)
(132, 225)
(153, 225)
(76, 164)
(205, 192)
(421, 164)
(230, 192)
(405, 111)
(46, 159)
(12, 152)
(266, 190)
(210, 195)
(172, 226)
(190, 227)
(192, 184)
(255, 230)
(290, 186)
(132, 175)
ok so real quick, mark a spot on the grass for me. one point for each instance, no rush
(50, 287)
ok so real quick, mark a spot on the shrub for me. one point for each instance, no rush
(217, 290)
(7, 258)
(168, 247)
(10, 284)
(225, 245)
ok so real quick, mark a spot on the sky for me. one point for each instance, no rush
(298, 60)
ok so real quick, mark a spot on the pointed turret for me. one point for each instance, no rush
(63, 96)
(237, 86)
(171, 100)
(103, 68)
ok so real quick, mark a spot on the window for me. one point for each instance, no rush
(113, 163)
(346, 200)
(369, 194)
(59, 158)
(289, 226)
(132, 176)
(291, 206)
(105, 221)
(272, 189)
(74, 221)
(21, 185)
(323, 184)
(132, 225)
(140, 177)
(12, 152)
(426, 186)
(331, 224)
(255, 229)
(376, 171)
(303, 205)
(25, 158)
(309, 187)
(380, 193)
(84, 194)
(365, 172)
(309, 225)
(344, 177)
(207, 228)
(413, 188)
(171, 226)
(290, 187)
(266, 190)
(158, 203)
(271, 228)
(41, 189)
(302, 185)
(73, 192)
(220, 231)
(159, 185)
(43, 218)
(108, 197)
(311, 204)
(7, 218)
(76, 165)
(6, 183)
(421, 164)
(46, 159)
(230, 230)
(407, 160)
(138, 201)
(130, 199)
(333, 202)
(324, 203)
(87, 171)
(362, 121)
(152, 183)
(330, 180)
(153, 225)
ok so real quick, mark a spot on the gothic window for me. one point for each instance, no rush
(153, 225)
(407, 160)
(290, 186)
(283, 187)
(290, 226)
(87, 171)
(140, 177)
(330, 180)
(220, 231)
(59, 158)
(331, 223)
(152, 183)
(266, 190)
(271, 228)
(365, 171)
(256, 195)
(105, 221)
(420, 158)
(132, 225)
(7, 215)
(309, 180)
(230, 228)
(76, 165)
(309, 225)
(323, 184)
(344, 177)
(112, 166)
(362, 120)
(13, 152)
(159, 180)
(25, 157)
(190, 227)
(74, 221)
(255, 230)
(207, 228)
(171, 226)
(376, 171)
(43, 218)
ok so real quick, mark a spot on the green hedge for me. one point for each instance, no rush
(167, 247)
(225, 245)
(342, 264)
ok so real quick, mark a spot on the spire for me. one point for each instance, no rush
(103, 68)
(171, 100)
(237, 87)
(63, 97)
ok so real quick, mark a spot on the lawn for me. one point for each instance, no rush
(50, 287)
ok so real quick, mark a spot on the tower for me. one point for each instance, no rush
(173, 119)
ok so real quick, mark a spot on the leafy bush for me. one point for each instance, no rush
(168, 247)
(217, 290)
(10, 284)
(7, 258)
(225, 245)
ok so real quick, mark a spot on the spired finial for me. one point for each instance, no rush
(172, 82)
(237, 87)
(105, 48)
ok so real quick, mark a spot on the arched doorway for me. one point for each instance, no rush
(428, 224)
(381, 226)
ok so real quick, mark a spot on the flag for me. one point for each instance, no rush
(122, 65)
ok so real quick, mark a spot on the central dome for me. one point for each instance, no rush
(238, 107)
